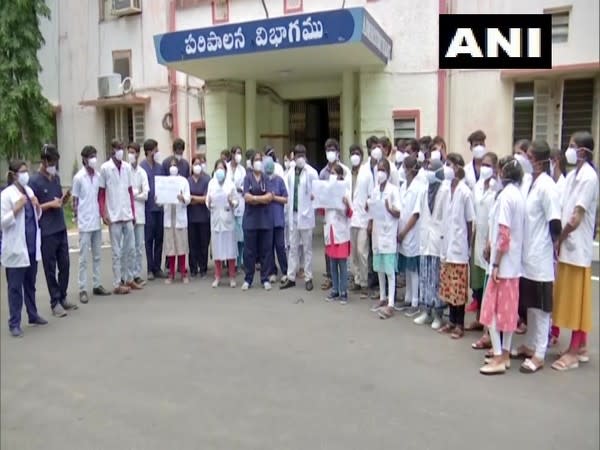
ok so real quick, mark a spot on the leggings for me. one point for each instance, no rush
(499, 343)
(180, 265)
(230, 267)
(457, 315)
(391, 279)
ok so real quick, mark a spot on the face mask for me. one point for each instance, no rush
(486, 172)
(292, 164)
(51, 170)
(258, 166)
(402, 174)
(178, 157)
(331, 156)
(376, 154)
(420, 156)
(156, 157)
(237, 158)
(197, 169)
(131, 158)
(92, 162)
(300, 162)
(355, 160)
(431, 177)
(400, 156)
(23, 178)
(525, 163)
(286, 164)
(478, 151)
(119, 154)
(436, 155)
(220, 175)
(571, 155)
(381, 176)
(248, 164)
(448, 173)
(173, 170)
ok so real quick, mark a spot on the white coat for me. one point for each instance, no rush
(338, 221)
(180, 208)
(221, 218)
(483, 200)
(362, 192)
(306, 212)
(14, 244)
(385, 233)
(432, 222)
(237, 178)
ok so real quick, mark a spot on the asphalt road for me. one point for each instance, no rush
(189, 367)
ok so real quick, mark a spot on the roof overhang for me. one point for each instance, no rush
(583, 69)
(122, 100)
(296, 46)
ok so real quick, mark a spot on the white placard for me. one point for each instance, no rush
(329, 194)
(377, 210)
(167, 189)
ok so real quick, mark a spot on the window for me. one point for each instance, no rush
(122, 63)
(198, 137)
(523, 111)
(183, 4)
(220, 11)
(292, 6)
(577, 109)
(560, 24)
(406, 124)
(124, 123)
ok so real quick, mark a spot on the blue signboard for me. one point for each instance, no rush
(321, 28)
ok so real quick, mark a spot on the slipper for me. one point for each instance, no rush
(529, 366)
(457, 333)
(582, 357)
(561, 366)
(474, 326)
(481, 344)
(446, 329)
(520, 354)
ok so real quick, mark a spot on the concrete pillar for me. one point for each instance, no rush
(347, 113)
(250, 114)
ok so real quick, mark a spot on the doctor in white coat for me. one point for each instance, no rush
(477, 145)
(21, 245)
(301, 217)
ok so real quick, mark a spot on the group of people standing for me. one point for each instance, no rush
(514, 233)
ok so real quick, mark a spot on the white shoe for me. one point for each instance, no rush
(283, 279)
(232, 283)
(423, 318)
(267, 286)
(215, 283)
(273, 278)
(245, 286)
(437, 323)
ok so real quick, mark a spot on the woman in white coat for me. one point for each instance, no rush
(222, 200)
(21, 244)
(175, 240)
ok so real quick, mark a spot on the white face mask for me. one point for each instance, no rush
(355, 160)
(173, 170)
(131, 157)
(478, 152)
(436, 155)
(292, 164)
(381, 176)
(258, 166)
(197, 169)
(525, 163)
(420, 156)
(156, 157)
(51, 170)
(92, 162)
(376, 154)
(331, 156)
(571, 155)
(23, 178)
(248, 164)
(402, 174)
(203, 167)
(286, 164)
(448, 173)
(300, 163)
(486, 172)
(237, 158)
(400, 157)
(119, 154)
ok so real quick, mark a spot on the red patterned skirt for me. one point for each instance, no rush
(454, 283)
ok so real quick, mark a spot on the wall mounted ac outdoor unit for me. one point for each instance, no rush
(126, 7)
(110, 85)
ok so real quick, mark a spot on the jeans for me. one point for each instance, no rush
(21, 287)
(199, 238)
(89, 240)
(121, 240)
(339, 275)
(258, 247)
(279, 250)
(138, 251)
(55, 258)
(360, 255)
(153, 235)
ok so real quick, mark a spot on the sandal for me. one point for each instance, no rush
(386, 313)
(582, 355)
(446, 329)
(528, 366)
(489, 353)
(566, 362)
(457, 333)
(482, 344)
(521, 352)
(474, 326)
(521, 329)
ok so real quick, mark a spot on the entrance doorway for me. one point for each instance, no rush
(312, 122)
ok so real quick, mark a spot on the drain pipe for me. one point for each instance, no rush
(173, 109)
(441, 86)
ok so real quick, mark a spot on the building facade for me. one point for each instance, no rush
(220, 73)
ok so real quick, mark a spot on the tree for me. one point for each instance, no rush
(25, 114)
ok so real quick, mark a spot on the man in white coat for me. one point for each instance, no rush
(477, 145)
(301, 217)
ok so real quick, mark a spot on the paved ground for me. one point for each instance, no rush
(190, 367)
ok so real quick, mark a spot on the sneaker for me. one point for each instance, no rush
(267, 286)
(160, 274)
(83, 297)
(139, 281)
(287, 284)
(58, 311)
(344, 299)
(232, 283)
(273, 279)
(412, 311)
(16, 332)
(150, 276)
(332, 296)
(437, 322)
(39, 320)
(215, 283)
(403, 306)
(245, 286)
(68, 305)
(100, 291)
(308, 285)
(377, 306)
(423, 318)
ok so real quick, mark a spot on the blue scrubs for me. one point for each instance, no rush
(258, 231)
(153, 229)
(21, 280)
(276, 185)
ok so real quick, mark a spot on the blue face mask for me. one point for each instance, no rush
(220, 175)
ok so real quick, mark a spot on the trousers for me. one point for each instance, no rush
(21, 289)
(300, 238)
(339, 275)
(538, 326)
(55, 259)
(122, 243)
(153, 235)
(360, 255)
(199, 239)
(89, 241)
(279, 251)
(258, 247)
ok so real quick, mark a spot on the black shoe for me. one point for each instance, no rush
(309, 285)
(16, 332)
(39, 320)
(150, 276)
(139, 281)
(68, 306)
(83, 297)
(100, 291)
(160, 274)
(288, 284)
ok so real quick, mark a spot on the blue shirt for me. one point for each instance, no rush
(256, 217)
(46, 190)
(277, 187)
(30, 227)
(152, 171)
(198, 213)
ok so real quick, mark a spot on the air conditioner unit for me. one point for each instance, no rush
(110, 85)
(126, 7)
